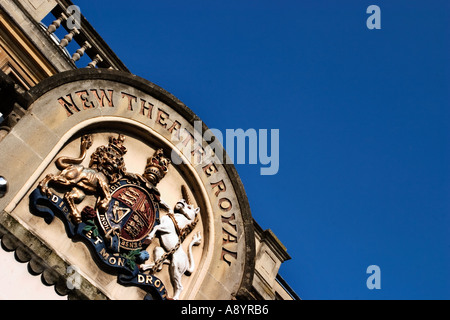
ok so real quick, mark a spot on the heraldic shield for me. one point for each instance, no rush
(131, 215)
(125, 217)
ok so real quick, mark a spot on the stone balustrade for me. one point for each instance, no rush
(79, 30)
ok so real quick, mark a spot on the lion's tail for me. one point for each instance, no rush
(64, 162)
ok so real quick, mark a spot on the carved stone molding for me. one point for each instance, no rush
(42, 260)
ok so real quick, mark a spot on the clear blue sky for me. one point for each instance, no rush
(363, 118)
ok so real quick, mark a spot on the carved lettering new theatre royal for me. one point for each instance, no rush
(78, 101)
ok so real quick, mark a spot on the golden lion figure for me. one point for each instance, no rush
(106, 166)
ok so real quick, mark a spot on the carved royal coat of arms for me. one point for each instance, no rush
(125, 218)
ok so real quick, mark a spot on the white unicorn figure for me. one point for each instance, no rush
(172, 230)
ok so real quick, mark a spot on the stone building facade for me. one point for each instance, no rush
(92, 197)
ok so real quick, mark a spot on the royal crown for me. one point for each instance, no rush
(117, 144)
(157, 167)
